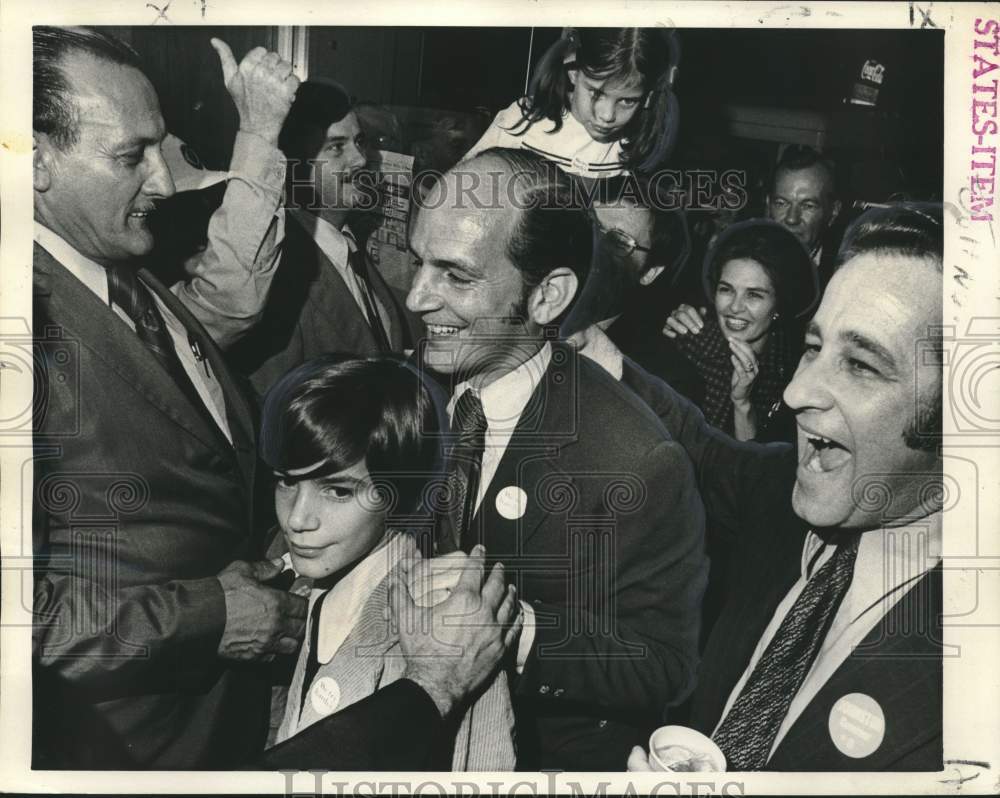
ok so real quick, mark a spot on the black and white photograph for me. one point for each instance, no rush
(488, 400)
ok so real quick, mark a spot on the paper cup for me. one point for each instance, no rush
(681, 737)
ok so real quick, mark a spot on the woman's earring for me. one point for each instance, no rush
(775, 317)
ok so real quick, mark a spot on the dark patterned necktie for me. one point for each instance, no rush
(356, 259)
(469, 421)
(748, 731)
(127, 292)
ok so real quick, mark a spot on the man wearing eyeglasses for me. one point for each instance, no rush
(638, 242)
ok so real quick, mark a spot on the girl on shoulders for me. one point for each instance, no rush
(600, 104)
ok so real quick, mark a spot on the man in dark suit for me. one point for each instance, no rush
(326, 295)
(148, 596)
(569, 480)
(827, 655)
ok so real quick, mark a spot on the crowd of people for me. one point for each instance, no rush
(288, 516)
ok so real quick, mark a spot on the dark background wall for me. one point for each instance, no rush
(892, 150)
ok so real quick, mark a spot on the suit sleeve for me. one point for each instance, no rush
(395, 728)
(112, 641)
(229, 282)
(737, 480)
(632, 618)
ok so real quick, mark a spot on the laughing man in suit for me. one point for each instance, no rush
(567, 478)
(149, 594)
(326, 295)
(827, 655)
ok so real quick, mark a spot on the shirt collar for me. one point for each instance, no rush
(602, 350)
(888, 558)
(505, 398)
(88, 272)
(337, 244)
(343, 603)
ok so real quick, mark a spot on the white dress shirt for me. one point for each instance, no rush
(95, 278)
(889, 563)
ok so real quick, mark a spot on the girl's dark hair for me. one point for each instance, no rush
(601, 53)
(779, 252)
(338, 410)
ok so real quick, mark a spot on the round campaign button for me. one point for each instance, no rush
(857, 725)
(325, 695)
(512, 501)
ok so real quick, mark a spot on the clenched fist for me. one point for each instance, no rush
(262, 87)
(260, 621)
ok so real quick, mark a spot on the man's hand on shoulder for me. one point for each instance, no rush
(685, 320)
(455, 646)
(262, 87)
(260, 621)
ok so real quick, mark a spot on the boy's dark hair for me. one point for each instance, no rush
(338, 410)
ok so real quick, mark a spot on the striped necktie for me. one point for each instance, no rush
(748, 731)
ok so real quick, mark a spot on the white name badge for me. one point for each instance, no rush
(512, 502)
(325, 695)
(857, 725)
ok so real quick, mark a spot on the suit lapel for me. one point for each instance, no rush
(238, 412)
(529, 484)
(767, 574)
(334, 314)
(898, 666)
(110, 340)
(401, 325)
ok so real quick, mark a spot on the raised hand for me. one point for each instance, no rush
(745, 370)
(454, 646)
(685, 320)
(262, 87)
(260, 621)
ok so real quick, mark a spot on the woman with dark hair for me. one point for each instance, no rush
(354, 448)
(600, 103)
(761, 283)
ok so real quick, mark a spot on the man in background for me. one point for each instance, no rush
(326, 296)
(803, 197)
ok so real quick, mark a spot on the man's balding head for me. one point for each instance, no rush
(503, 244)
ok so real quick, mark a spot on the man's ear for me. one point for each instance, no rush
(835, 214)
(41, 161)
(647, 277)
(552, 295)
(572, 73)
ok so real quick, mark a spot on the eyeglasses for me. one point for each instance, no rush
(623, 242)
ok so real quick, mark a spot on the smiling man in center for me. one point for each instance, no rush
(566, 477)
